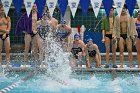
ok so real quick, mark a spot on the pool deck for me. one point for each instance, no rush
(74, 70)
(29, 68)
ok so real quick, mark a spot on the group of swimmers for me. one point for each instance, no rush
(116, 30)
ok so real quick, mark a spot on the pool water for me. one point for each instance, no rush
(76, 83)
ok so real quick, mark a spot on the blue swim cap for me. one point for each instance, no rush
(77, 35)
(89, 40)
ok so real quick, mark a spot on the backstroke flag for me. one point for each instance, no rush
(96, 4)
(73, 6)
(107, 6)
(130, 5)
(119, 6)
(84, 5)
(28, 6)
(40, 6)
(63, 6)
(6, 5)
(18, 5)
(138, 2)
(51, 6)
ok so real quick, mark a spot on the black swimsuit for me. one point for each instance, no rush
(7, 35)
(109, 36)
(75, 51)
(32, 34)
(92, 53)
(124, 36)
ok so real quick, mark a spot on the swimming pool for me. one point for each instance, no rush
(76, 83)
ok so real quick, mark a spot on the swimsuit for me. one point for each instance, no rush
(138, 29)
(7, 35)
(75, 51)
(92, 53)
(32, 34)
(43, 31)
(109, 36)
(124, 36)
(62, 35)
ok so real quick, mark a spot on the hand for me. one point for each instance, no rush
(103, 40)
(134, 40)
(4, 36)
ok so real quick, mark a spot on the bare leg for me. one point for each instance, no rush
(7, 49)
(89, 62)
(73, 61)
(80, 58)
(121, 47)
(107, 44)
(27, 39)
(129, 48)
(35, 47)
(97, 61)
(41, 50)
(138, 51)
(114, 52)
(1, 44)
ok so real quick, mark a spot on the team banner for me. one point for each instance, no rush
(107, 6)
(40, 6)
(18, 5)
(6, 5)
(130, 5)
(119, 6)
(84, 5)
(51, 6)
(73, 6)
(28, 5)
(63, 6)
(138, 2)
(96, 4)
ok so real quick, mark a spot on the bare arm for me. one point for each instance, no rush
(9, 25)
(69, 30)
(98, 52)
(103, 35)
(86, 52)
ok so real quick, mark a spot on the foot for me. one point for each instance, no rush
(24, 66)
(115, 66)
(106, 66)
(121, 66)
(131, 66)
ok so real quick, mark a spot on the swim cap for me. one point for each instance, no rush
(89, 40)
(77, 35)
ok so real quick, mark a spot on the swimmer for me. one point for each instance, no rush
(62, 33)
(107, 29)
(92, 53)
(5, 27)
(124, 30)
(137, 23)
(28, 25)
(77, 51)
